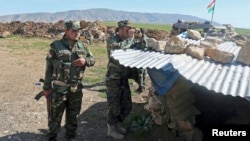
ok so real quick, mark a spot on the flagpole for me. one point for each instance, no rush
(213, 13)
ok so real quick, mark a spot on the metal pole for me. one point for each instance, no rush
(213, 13)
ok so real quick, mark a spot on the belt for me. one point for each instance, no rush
(73, 87)
(62, 83)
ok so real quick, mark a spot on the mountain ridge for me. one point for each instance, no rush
(102, 14)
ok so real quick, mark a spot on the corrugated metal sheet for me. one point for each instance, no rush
(228, 79)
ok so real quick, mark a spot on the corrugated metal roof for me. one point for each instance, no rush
(228, 79)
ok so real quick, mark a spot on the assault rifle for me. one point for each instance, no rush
(40, 94)
(49, 100)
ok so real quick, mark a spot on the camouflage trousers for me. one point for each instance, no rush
(61, 101)
(139, 75)
(119, 100)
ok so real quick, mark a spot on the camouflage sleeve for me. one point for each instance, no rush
(127, 43)
(89, 58)
(141, 43)
(48, 73)
(113, 43)
(49, 69)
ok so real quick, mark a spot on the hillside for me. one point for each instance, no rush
(101, 14)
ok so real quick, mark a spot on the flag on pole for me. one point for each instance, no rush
(211, 6)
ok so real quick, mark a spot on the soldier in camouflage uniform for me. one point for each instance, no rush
(65, 65)
(140, 42)
(118, 90)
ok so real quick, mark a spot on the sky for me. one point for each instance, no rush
(232, 12)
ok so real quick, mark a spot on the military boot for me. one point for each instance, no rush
(50, 139)
(120, 129)
(112, 132)
(71, 139)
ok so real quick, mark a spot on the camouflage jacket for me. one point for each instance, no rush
(141, 43)
(115, 70)
(59, 62)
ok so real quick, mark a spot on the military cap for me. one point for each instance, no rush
(124, 23)
(75, 25)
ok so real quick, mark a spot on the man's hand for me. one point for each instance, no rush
(46, 93)
(138, 34)
(131, 33)
(79, 62)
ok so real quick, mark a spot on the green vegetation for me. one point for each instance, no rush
(242, 31)
(139, 123)
(17, 42)
(165, 27)
(168, 27)
(102, 95)
(97, 73)
(154, 26)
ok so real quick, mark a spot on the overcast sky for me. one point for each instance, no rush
(226, 11)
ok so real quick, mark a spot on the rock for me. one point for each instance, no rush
(193, 34)
(5, 34)
(175, 46)
(244, 54)
(240, 43)
(214, 41)
(219, 56)
(207, 44)
(156, 45)
(195, 51)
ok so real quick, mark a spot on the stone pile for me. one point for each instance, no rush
(96, 31)
(41, 29)
(208, 47)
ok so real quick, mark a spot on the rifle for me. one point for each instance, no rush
(40, 94)
(49, 101)
(93, 85)
(49, 106)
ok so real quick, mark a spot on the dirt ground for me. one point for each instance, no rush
(22, 118)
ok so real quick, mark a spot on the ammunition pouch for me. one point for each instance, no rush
(65, 71)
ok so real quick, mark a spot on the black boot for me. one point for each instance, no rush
(70, 138)
(50, 139)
